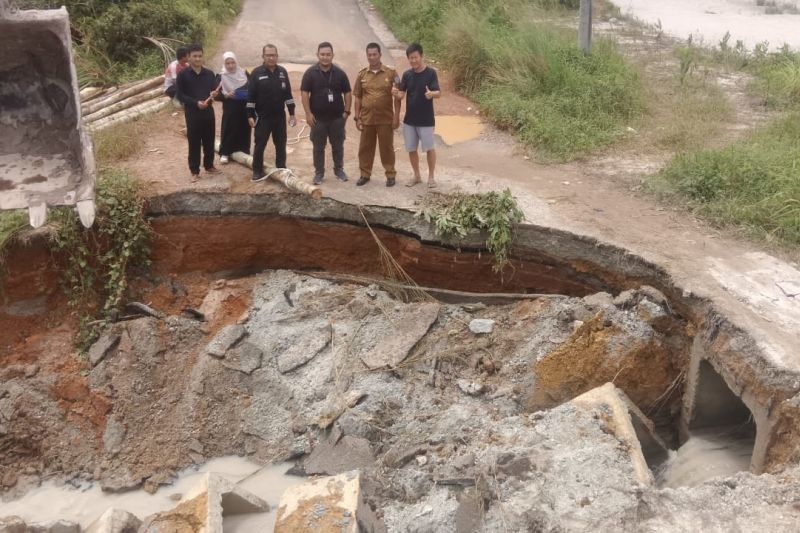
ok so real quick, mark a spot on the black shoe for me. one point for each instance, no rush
(340, 175)
(258, 177)
(362, 181)
(318, 179)
(390, 182)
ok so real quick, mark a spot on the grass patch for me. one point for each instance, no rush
(528, 76)
(697, 109)
(119, 143)
(12, 223)
(753, 184)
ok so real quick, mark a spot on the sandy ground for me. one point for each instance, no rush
(708, 20)
(594, 197)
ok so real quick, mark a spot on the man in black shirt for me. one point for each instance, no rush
(326, 99)
(419, 86)
(197, 87)
(268, 92)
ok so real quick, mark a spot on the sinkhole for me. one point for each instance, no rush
(266, 328)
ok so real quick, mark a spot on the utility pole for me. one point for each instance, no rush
(585, 27)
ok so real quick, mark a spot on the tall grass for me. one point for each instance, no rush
(753, 184)
(527, 76)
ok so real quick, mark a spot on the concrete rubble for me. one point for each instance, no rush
(202, 508)
(115, 521)
(326, 505)
(560, 423)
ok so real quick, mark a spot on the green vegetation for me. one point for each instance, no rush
(97, 261)
(753, 184)
(527, 75)
(454, 215)
(119, 143)
(12, 223)
(110, 36)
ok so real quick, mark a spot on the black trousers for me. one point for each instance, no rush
(200, 129)
(323, 130)
(235, 131)
(274, 125)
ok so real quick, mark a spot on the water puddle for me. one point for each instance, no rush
(454, 129)
(707, 454)
(50, 502)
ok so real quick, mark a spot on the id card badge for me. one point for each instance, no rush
(330, 96)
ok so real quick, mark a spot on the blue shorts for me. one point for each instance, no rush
(415, 136)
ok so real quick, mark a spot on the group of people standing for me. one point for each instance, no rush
(259, 101)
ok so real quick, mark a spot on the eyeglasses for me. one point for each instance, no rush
(270, 55)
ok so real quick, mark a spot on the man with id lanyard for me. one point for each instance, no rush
(327, 99)
(268, 92)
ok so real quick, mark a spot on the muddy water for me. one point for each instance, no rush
(83, 506)
(705, 455)
(454, 129)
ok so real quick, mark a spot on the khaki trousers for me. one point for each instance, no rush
(384, 135)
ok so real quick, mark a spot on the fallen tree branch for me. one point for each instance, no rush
(443, 295)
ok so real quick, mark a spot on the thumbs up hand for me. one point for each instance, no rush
(428, 93)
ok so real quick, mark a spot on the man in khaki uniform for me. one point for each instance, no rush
(377, 115)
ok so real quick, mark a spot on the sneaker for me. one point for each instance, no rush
(213, 170)
(390, 182)
(362, 181)
(223, 159)
(318, 179)
(340, 175)
(258, 177)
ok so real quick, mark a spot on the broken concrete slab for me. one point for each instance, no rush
(326, 505)
(104, 346)
(245, 358)
(599, 299)
(224, 340)
(115, 521)
(222, 498)
(388, 337)
(629, 425)
(301, 345)
(339, 453)
(480, 326)
(188, 516)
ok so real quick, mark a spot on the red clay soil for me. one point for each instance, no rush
(247, 244)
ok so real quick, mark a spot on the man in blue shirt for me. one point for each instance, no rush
(419, 86)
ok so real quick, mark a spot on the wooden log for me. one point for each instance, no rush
(124, 104)
(87, 93)
(120, 95)
(281, 175)
(127, 115)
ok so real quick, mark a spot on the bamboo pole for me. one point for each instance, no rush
(118, 96)
(126, 115)
(124, 104)
(281, 175)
